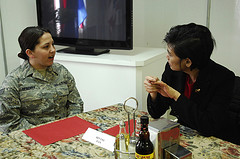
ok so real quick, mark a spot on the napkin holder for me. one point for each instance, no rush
(167, 134)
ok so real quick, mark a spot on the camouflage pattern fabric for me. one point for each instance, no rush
(27, 98)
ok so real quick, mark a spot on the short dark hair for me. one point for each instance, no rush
(191, 41)
(29, 38)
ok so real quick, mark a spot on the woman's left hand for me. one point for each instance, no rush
(167, 91)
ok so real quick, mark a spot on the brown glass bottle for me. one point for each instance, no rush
(144, 146)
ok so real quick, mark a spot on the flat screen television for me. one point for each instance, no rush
(88, 26)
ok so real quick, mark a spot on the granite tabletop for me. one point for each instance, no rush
(18, 145)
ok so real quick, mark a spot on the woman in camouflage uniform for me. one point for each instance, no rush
(39, 90)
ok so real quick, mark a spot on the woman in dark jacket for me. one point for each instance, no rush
(197, 89)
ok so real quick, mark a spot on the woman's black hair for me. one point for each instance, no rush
(29, 38)
(191, 41)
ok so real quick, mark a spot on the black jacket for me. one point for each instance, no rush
(206, 110)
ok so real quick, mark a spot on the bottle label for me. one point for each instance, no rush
(149, 156)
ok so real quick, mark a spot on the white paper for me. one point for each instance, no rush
(98, 138)
(153, 135)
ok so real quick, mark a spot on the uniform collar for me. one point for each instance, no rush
(30, 71)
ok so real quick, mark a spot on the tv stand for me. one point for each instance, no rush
(111, 78)
(83, 51)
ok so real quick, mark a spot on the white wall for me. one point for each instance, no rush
(16, 15)
(153, 18)
(225, 27)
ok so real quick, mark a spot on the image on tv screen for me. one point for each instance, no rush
(85, 19)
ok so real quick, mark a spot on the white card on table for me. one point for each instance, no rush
(98, 138)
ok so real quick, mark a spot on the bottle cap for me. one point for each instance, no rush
(144, 119)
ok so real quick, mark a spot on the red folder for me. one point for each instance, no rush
(61, 129)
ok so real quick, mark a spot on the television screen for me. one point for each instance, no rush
(88, 26)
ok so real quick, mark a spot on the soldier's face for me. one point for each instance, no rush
(44, 52)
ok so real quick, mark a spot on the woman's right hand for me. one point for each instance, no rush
(150, 87)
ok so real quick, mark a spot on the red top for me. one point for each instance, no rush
(188, 87)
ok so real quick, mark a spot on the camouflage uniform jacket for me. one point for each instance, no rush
(27, 98)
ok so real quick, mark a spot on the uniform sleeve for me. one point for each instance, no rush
(10, 118)
(74, 103)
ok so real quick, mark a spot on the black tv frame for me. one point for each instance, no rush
(93, 46)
